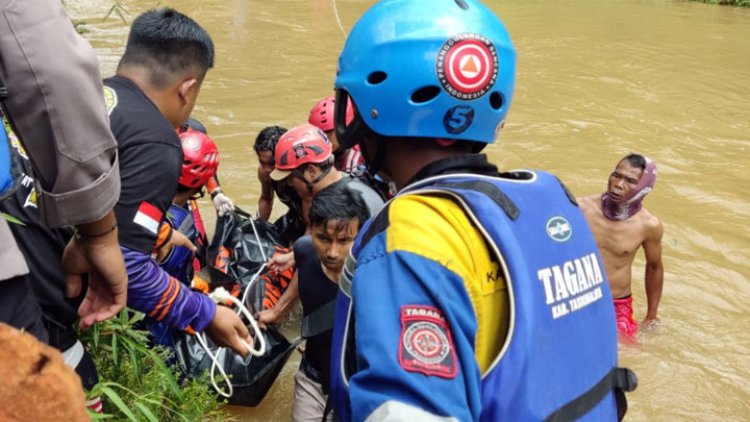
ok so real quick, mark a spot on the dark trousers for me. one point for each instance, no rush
(19, 307)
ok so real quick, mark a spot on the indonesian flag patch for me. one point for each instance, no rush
(148, 217)
(426, 345)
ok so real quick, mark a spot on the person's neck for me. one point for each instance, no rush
(406, 158)
(181, 198)
(333, 176)
(332, 275)
(141, 78)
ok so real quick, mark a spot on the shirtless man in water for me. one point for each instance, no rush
(621, 225)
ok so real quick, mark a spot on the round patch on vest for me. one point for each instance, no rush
(559, 229)
(467, 66)
(110, 99)
(426, 346)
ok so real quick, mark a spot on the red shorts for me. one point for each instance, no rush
(626, 325)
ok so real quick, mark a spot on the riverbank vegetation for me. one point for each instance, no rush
(136, 384)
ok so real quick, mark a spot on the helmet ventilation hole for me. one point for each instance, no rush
(376, 77)
(496, 100)
(425, 94)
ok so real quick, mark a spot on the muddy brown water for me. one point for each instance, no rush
(596, 80)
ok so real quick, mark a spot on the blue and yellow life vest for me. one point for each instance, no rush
(179, 261)
(559, 358)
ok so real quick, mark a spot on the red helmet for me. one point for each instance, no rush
(300, 145)
(321, 114)
(200, 159)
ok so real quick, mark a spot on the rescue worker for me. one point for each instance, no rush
(51, 93)
(199, 166)
(153, 92)
(321, 115)
(304, 162)
(42, 248)
(472, 295)
(221, 201)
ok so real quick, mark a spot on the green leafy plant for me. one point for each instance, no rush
(135, 382)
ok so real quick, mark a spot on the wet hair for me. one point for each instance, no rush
(168, 44)
(268, 137)
(636, 160)
(338, 203)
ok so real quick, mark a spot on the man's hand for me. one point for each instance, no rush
(223, 204)
(227, 330)
(101, 258)
(281, 262)
(266, 317)
(177, 239)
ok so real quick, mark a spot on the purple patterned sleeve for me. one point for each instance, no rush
(161, 297)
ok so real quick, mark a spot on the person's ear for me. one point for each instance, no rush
(185, 89)
(312, 171)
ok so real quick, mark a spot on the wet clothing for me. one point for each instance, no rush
(316, 291)
(55, 104)
(432, 307)
(309, 403)
(150, 163)
(626, 324)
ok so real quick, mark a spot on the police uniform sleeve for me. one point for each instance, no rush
(56, 105)
(415, 323)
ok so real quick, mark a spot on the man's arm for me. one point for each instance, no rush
(265, 202)
(163, 298)
(56, 106)
(654, 277)
(393, 381)
(287, 299)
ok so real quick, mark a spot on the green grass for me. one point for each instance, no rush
(135, 383)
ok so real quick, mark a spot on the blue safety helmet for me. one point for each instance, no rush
(426, 68)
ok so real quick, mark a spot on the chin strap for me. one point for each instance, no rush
(374, 163)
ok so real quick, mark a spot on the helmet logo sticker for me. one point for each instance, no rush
(457, 119)
(467, 66)
(191, 142)
(299, 150)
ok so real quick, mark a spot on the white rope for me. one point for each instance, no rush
(338, 19)
(221, 295)
(214, 365)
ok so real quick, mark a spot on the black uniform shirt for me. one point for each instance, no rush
(150, 162)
